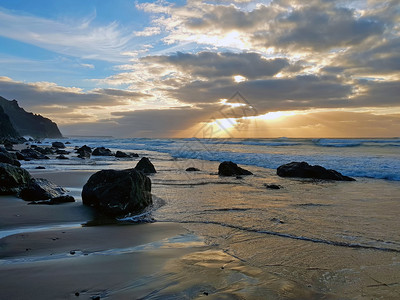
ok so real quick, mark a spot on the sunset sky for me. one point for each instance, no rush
(315, 68)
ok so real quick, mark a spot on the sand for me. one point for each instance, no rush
(46, 253)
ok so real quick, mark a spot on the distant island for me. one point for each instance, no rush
(16, 122)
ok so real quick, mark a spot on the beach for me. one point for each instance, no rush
(206, 236)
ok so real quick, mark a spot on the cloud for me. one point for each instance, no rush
(211, 64)
(144, 123)
(73, 38)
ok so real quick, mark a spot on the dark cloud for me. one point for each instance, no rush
(145, 123)
(211, 64)
(272, 94)
(320, 29)
(46, 94)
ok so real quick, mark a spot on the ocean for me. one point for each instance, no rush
(338, 239)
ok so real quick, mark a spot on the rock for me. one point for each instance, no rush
(40, 168)
(62, 157)
(28, 154)
(54, 201)
(41, 189)
(58, 145)
(84, 148)
(8, 158)
(12, 179)
(272, 186)
(304, 170)
(117, 192)
(121, 154)
(8, 145)
(228, 168)
(134, 155)
(68, 143)
(145, 166)
(192, 169)
(101, 151)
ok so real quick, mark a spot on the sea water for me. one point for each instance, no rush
(336, 238)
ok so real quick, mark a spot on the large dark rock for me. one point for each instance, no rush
(41, 189)
(228, 168)
(12, 179)
(58, 145)
(304, 170)
(117, 192)
(101, 151)
(145, 166)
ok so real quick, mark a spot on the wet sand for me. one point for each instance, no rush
(45, 253)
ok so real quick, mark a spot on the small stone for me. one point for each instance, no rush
(77, 294)
(272, 186)
(205, 293)
(192, 169)
(72, 252)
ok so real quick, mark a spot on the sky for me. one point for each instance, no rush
(239, 69)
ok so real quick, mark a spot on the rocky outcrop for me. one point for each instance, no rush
(26, 123)
(117, 193)
(144, 165)
(304, 170)
(12, 179)
(101, 151)
(228, 168)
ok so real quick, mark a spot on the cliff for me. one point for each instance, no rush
(26, 123)
(6, 128)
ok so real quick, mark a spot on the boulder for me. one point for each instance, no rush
(117, 193)
(8, 158)
(192, 169)
(84, 148)
(41, 189)
(304, 170)
(12, 179)
(134, 155)
(83, 154)
(145, 166)
(58, 145)
(121, 154)
(62, 157)
(228, 168)
(101, 151)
